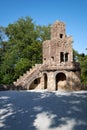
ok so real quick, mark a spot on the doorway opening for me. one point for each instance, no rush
(45, 81)
(60, 81)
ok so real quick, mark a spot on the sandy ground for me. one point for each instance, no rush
(43, 110)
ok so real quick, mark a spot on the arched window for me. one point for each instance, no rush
(52, 58)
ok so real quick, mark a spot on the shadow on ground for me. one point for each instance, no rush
(43, 110)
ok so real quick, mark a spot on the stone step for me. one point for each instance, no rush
(30, 74)
(26, 74)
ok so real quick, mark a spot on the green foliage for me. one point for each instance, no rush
(20, 48)
(82, 59)
(7, 79)
(44, 32)
(21, 67)
(83, 62)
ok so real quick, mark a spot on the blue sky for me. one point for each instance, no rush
(44, 12)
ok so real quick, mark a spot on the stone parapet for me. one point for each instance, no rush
(62, 66)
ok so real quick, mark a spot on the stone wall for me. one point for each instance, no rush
(52, 48)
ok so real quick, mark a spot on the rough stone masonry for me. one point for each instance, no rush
(58, 70)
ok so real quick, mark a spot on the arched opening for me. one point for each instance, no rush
(35, 84)
(60, 81)
(52, 58)
(45, 81)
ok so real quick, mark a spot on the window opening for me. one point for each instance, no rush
(61, 57)
(61, 35)
(52, 58)
(66, 57)
(44, 58)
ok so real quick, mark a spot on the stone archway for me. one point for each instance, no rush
(60, 81)
(35, 84)
(45, 81)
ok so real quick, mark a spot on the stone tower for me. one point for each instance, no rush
(58, 50)
(58, 70)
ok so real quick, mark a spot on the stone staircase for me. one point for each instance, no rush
(29, 76)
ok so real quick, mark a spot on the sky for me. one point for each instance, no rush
(43, 12)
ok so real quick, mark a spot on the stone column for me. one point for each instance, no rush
(42, 82)
(51, 82)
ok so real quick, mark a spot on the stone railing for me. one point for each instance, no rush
(22, 79)
(62, 66)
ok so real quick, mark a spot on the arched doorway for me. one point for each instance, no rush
(45, 81)
(60, 81)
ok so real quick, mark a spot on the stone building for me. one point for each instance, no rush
(58, 70)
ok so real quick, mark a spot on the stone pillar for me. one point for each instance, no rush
(51, 82)
(42, 82)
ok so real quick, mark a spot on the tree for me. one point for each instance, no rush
(23, 48)
(44, 32)
(82, 59)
